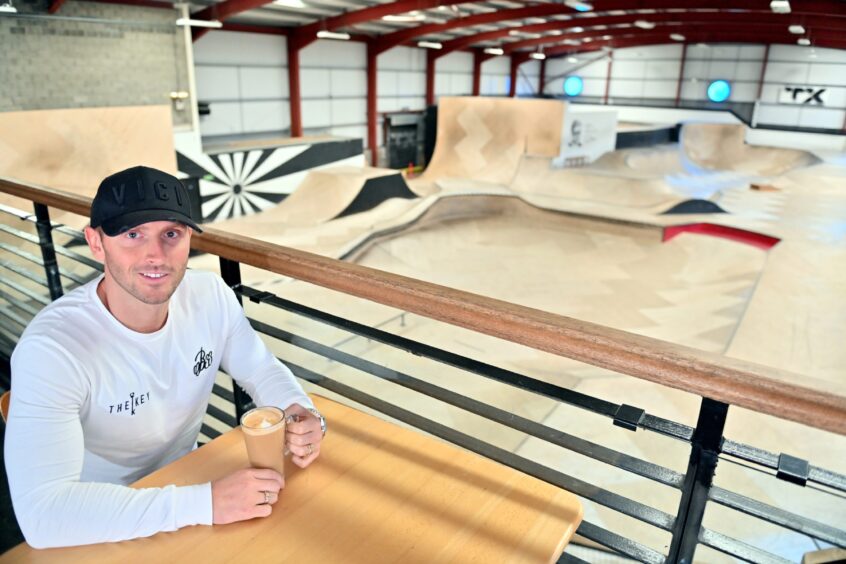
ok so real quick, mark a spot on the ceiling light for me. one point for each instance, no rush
(414, 16)
(643, 24)
(529, 21)
(430, 44)
(702, 45)
(538, 56)
(797, 29)
(572, 60)
(8, 8)
(780, 6)
(578, 5)
(606, 37)
(571, 42)
(199, 23)
(803, 41)
(290, 3)
(332, 35)
(494, 51)
(587, 39)
(577, 29)
(556, 32)
(677, 37)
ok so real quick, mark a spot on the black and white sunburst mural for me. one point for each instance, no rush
(239, 183)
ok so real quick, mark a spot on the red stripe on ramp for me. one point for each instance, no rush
(740, 235)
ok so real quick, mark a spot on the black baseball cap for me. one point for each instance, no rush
(139, 195)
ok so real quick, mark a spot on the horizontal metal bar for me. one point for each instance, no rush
(14, 317)
(44, 300)
(18, 303)
(23, 272)
(59, 248)
(570, 559)
(222, 416)
(39, 261)
(617, 459)
(619, 543)
(738, 549)
(770, 460)
(559, 393)
(29, 216)
(222, 392)
(778, 516)
(210, 432)
(584, 489)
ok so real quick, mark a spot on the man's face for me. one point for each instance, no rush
(146, 263)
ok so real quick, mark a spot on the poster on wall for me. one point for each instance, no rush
(803, 95)
(585, 137)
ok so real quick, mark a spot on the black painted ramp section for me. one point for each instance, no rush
(694, 206)
(377, 190)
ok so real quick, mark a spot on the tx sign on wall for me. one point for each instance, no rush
(806, 95)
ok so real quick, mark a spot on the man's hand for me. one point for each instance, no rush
(303, 435)
(240, 495)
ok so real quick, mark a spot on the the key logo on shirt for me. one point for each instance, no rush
(202, 361)
(129, 406)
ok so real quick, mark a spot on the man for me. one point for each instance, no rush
(111, 382)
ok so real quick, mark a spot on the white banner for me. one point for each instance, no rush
(803, 95)
(586, 136)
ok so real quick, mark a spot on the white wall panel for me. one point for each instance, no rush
(828, 74)
(387, 104)
(457, 61)
(597, 69)
(743, 91)
(719, 51)
(821, 117)
(402, 58)
(264, 82)
(265, 116)
(592, 87)
(354, 131)
(797, 53)
(660, 89)
(314, 83)
(497, 65)
(778, 115)
(229, 47)
(411, 103)
(662, 69)
(225, 118)
(696, 69)
(316, 113)
(348, 82)
(349, 111)
(411, 83)
(694, 90)
(748, 70)
(721, 69)
(461, 84)
(387, 83)
(786, 72)
(526, 86)
(751, 52)
(626, 89)
(217, 83)
(493, 84)
(649, 52)
(628, 69)
(334, 54)
(555, 66)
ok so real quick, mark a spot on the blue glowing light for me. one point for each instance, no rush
(573, 86)
(719, 91)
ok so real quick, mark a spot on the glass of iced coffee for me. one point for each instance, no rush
(264, 434)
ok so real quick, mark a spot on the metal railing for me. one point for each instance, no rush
(719, 381)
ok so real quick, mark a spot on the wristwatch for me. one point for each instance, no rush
(319, 418)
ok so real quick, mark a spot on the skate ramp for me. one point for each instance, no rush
(485, 138)
(715, 146)
(332, 193)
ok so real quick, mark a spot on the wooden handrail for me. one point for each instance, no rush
(763, 389)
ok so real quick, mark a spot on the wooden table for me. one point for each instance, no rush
(378, 493)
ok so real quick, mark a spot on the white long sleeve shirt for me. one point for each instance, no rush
(96, 406)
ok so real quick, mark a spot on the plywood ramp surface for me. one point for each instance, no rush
(74, 149)
(723, 147)
(484, 138)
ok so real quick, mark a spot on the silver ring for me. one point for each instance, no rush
(266, 497)
(310, 449)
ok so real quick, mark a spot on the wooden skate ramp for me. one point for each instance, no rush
(327, 194)
(723, 147)
(484, 138)
(74, 149)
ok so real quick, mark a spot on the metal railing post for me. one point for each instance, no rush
(48, 252)
(705, 449)
(230, 271)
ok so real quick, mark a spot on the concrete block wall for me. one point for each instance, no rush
(93, 60)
